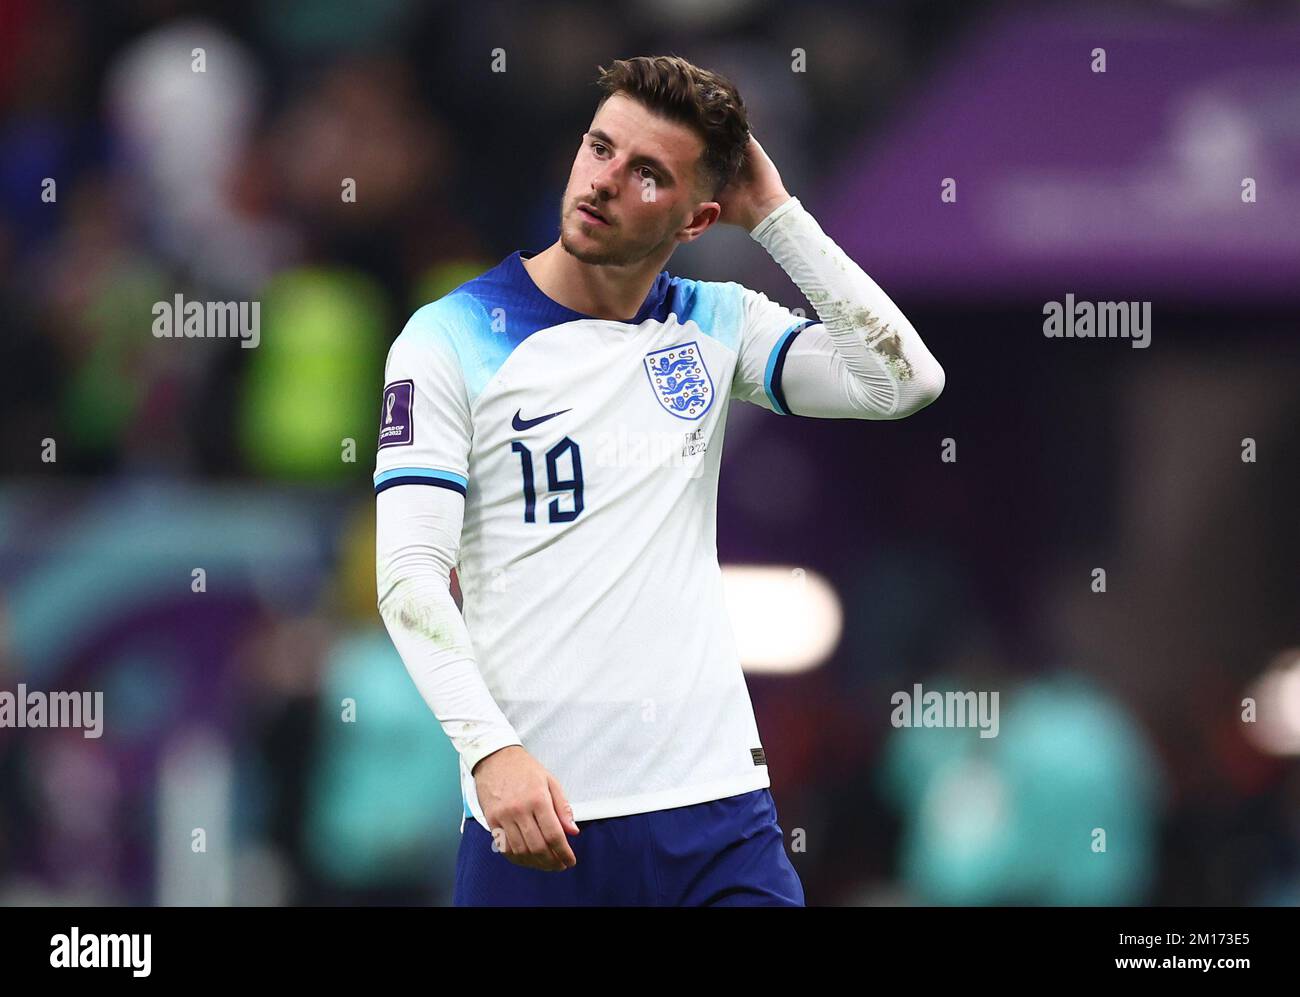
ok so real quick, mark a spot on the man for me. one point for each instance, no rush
(602, 686)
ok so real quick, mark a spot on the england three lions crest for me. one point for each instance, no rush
(680, 380)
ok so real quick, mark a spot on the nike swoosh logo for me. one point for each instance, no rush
(522, 424)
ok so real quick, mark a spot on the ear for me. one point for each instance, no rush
(705, 216)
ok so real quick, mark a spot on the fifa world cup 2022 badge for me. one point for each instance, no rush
(395, 428)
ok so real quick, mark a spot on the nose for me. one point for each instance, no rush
(603, 182)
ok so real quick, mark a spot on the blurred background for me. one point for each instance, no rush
(128, 177)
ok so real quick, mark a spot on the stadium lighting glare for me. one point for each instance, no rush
(785, 619)
(1277, 697)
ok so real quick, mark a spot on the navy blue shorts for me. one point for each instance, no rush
(724, 853)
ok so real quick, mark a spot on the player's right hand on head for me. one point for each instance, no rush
(526, 809)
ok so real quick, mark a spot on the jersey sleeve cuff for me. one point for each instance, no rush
(420, 476)
(776, 365)
(485, 747)
(780, 211)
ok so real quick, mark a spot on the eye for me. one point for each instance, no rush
(597, 147)
(653, 176)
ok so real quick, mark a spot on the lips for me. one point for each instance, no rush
(589, 212)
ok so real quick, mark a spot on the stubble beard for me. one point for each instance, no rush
(619, 255)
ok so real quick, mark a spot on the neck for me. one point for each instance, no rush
(602, 291)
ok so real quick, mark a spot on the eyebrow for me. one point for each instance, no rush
(650, 161)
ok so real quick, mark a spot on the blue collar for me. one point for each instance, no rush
(654, 306)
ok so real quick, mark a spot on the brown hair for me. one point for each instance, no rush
(681, 91)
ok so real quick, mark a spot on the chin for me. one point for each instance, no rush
(595, 257)
(584, 249)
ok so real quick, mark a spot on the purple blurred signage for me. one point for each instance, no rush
(1128, 180)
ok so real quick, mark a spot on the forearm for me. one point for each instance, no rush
(417, 533)
(880, 368)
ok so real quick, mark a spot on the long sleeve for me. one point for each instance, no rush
(417, 539)
(421, 477)
(863, 360)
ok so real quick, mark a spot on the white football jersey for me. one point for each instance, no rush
(587, 451)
